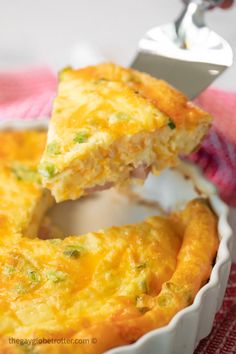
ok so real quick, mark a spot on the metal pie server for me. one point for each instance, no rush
(185, 53)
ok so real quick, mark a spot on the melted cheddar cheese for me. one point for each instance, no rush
(107, 121)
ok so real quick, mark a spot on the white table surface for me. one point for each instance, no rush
(49, 31)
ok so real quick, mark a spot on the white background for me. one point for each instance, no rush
(48, 31)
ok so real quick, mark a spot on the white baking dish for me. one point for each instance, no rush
(172, 189)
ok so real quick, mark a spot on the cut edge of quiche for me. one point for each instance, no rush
(23, 200)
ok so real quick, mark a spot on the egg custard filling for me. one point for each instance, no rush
(94, 291)
(107, 121)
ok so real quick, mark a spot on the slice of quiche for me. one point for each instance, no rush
(109, 121)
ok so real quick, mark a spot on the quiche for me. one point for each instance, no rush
(87, 294)
(109, 123)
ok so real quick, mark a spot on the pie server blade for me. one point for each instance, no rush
(185, 53)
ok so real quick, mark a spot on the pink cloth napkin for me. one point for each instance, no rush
(222, 339)
(29, 94)
(217, 155)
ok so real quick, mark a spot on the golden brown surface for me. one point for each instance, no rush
(113, 285)
(22, 146)
(108, 120)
